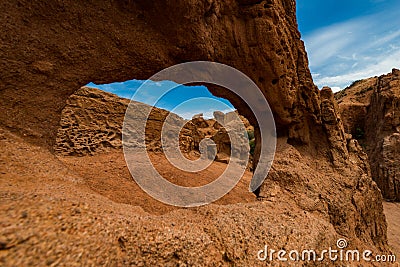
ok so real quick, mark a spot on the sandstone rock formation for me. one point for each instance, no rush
(92, 120)
(334, 127)
(347, 166)
(87, 114)
(66, 45)
(260, 39)
(353, 103)
(232, 123)
(370, 110)
(50, 49)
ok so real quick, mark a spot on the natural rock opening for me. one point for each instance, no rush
(91, 127)
(92, 121)
(263, 43)
(55, 47)
(153, 44)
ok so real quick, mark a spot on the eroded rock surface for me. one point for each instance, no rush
(92, 120)
(334, 127)
(377, 125)
(305, 172)
(50, 49)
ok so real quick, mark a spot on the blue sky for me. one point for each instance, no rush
(345, 41)
(350, 40)
(182, 100)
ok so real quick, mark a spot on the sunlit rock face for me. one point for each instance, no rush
(370, 110)
(383, 134)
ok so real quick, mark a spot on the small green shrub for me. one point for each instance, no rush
(250, 134)
(252, 141)
(252, 144)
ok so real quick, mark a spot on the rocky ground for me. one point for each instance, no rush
(74, 211)
(392, 211)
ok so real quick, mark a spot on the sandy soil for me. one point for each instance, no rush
(392, 212)
(108, 175)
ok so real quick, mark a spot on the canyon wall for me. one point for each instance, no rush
(371, 112)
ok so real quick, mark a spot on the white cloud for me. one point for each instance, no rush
(327, 42)
(384, 65)
(359, 48)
